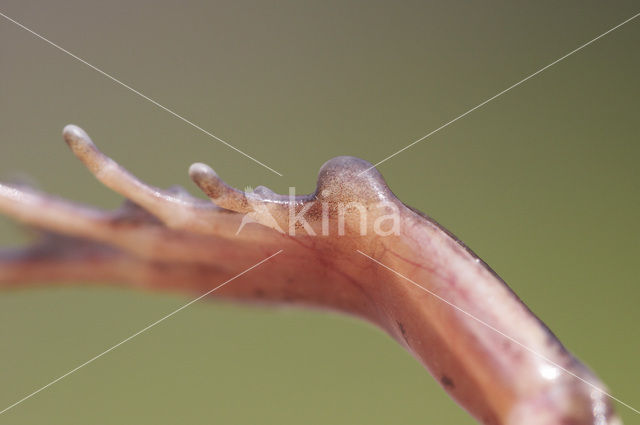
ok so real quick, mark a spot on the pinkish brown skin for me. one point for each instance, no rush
(166, 239)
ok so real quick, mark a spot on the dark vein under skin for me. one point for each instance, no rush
(168, 240)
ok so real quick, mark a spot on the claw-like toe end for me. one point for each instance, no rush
(76, 137)
(83, 147)
(207, 180)
(217, 190)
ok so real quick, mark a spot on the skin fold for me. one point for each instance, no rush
(397, 269)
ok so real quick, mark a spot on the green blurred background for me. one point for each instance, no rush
(542, 183)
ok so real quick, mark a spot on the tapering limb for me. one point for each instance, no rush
(129, 228)
(177, 210)
(59, 258)
(43, 211)
(217, 190)
(261, 205)
(62, 259)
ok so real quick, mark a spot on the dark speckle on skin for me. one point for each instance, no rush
(288, 298)
(403, 331)
(447, 382)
